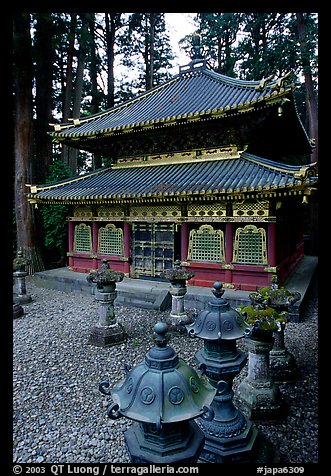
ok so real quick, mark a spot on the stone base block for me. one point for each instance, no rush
(265, 452)
(184, 451)
(227, 448)
(18, 311)
(107, 335)
(22, 298)
(283, 367)
(176, 323)
(261, 403)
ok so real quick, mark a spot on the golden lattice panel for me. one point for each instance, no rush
(250, 245)
(82, 211)
(207, 210)
(251, 208)
(206, 244)
(105, 211)
(110, 240)
(157, 211)
(83, 238)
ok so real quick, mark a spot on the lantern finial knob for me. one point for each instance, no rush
(218, 290)
(160, 331)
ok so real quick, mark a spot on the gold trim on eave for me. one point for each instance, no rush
(40, 188)
(247, 106)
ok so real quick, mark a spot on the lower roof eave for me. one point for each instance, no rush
(185, 196)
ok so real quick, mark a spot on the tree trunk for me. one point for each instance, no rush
(23, 141)
(43, 98)
(311, 106)
(80, 66)
(73, 153)
(152, 23)
(67, 94)
(110, 42)
(94, 109)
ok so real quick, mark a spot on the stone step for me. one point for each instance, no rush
(154, 295)
(137, 293)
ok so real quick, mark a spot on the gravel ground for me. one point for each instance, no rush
(59, 413)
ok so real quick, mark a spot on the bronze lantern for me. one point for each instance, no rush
(162, 395)
(229, 436)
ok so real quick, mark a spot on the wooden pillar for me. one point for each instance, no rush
(228, 251)
(272, 259)
(126, 246)
(70, 242)
(95, 243)
(94, 237)
(184, 236)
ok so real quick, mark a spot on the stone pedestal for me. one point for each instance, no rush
(107, 331)
(258, 395)
(282, 364)
(178, 315)
(178, 277)
(20, 296)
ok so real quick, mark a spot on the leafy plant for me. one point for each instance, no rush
(54, 215)
(268, 318)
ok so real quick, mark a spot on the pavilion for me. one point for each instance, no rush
(212, 170)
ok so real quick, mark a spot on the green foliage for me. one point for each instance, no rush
(54, 216)
(57, 171)
(267, 317)
(251, 46)
(20, 262)
(54, 225)
(280, 293)
(219, 34)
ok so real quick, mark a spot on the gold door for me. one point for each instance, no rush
(152, 248)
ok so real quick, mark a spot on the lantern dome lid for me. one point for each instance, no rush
(105, 275)
(162, 388)
(220, 321)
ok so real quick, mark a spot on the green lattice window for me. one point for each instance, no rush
(250, 245)
(110, 240)
(206, 244)
(83, 238)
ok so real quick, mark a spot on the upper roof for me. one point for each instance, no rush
(196, 92)
(230, 175)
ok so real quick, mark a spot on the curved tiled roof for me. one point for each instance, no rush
(194, 93)
(233, 175)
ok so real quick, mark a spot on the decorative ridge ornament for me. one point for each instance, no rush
(196, 49)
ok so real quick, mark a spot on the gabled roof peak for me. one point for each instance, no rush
(195, 93)
(195, 65)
